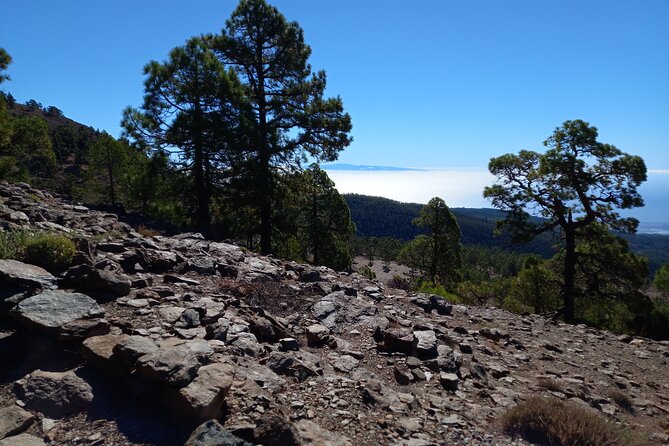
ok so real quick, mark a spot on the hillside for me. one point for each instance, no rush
(155, 340)
(382, 217)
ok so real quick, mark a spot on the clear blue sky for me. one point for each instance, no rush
(436, 83)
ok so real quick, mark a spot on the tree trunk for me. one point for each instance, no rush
(110, 171)
(201, 190)
(569, 275)
(264, 158)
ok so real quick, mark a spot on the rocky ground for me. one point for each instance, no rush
(147, 340)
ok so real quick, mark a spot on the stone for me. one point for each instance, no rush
(478, 372)
(14, 420)
(202, 399)
(426, 346)
(441, 305)
(212, 433)
(449, 381)
(22, 440)
(317, 334)
(107, 283)
(55, 394)
(402, 374)
(400, 340)
(131, 348)
(423, 302)
(202, 265)
(158, 261)
(288, 363)
(289, 344)
(310, 276)
(114, 247)
(275, 430)
(345, 363)
(171, 278)
(99, 353)
(80, 329)
(246, 343)
(189, 318)
(175, 366)
(13, 272)
(50, 310)
(498, 371)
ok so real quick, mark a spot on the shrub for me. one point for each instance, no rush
(51, 251)
(13, 244)
(550, 384)
(438, 289)
(622, 400)
(366, 272)
(553, 422)
(399, 282)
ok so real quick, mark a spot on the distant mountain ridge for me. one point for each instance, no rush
(383, 217)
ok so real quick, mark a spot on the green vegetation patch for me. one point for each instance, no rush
(51, 251)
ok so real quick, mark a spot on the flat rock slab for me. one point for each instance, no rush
(55, 394)
(51, 309)
(13, 420)
(19, 273)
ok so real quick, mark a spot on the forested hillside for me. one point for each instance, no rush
(382, 217)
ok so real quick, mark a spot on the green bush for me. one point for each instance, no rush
(429, 288)
(51, 251)
(13, 244)
(366, 272)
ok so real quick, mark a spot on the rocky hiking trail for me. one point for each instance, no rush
(180, 340)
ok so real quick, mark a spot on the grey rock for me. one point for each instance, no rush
(400, 340)
(13, 272)
(80, 329)
(55, 394)
(402, 374)
(175, 366)
(171, 278)
(317, 334)
(106, 282)
(345, 363)
(202, 265)
(50, 310)
(426, 346)
(449, 381)
(131, 348)
(247, 343)
(441, 305)
(22, 440)
(275, 430)
(99, 353)
(14, 420)
(288, 363)
(212, 433)
(310, 276)
(189, 318)
(289, 344)
(114, 247)
(202, 399)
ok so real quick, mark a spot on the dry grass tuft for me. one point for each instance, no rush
(549, 421)
(622, 400)
(146, 232)
(550, 384)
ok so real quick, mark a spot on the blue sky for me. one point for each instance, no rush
(429, 84)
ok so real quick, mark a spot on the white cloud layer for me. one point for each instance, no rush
(457, 188)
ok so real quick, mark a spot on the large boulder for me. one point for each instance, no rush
(50, 310)
(99, 353)
(55, 394)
